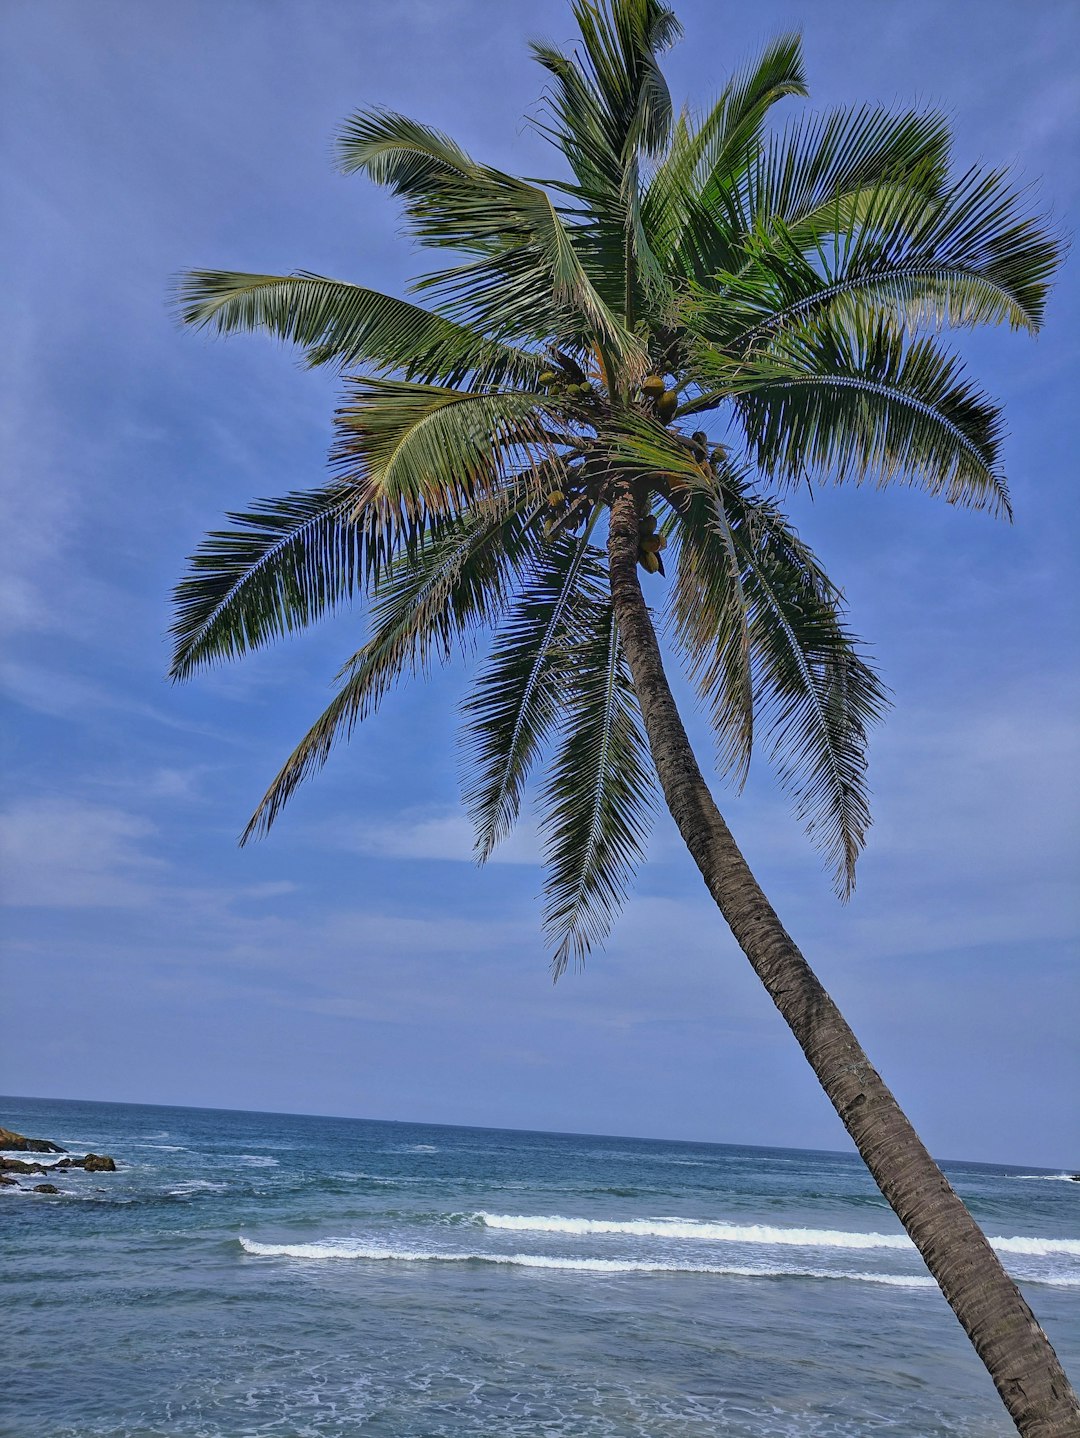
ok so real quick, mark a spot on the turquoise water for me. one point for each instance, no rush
(262, 1274)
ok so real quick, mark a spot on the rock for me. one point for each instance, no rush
(19, 1165)
(46, 1188)
(93, 1163)
(5, 1179)
(19, 1143)
(1075, 1177)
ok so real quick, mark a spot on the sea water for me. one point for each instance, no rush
(266, 1274)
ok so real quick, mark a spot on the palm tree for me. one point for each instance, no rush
(517, 454)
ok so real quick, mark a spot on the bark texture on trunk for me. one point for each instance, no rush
(1005, 1333)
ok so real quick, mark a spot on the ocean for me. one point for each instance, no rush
(250, 1274)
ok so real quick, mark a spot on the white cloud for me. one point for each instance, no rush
(423, 834)
(56, 853)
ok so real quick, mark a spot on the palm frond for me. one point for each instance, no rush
(290, 561)
(531, 281)
(866, 405)
(813, 172)
(610, 107)
(814, 692)
(803, 172)
(427, 602)
(641, 448)
(528, 280)
(410, 158)
(969, 257)
(514, 706)
(716, 148)
(710, 622)
(611, 100)
(350, 325)
(408, 448)
(599, 794)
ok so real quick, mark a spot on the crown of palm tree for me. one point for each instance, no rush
(789, 284)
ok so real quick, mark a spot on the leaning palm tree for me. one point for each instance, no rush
(522, 453)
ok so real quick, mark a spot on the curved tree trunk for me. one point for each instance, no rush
(1006, 1335)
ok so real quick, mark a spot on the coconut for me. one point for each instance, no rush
(667, 404)
(653, 387)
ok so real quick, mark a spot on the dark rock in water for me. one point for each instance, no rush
(4, 1179)
(46, 1188)
(19, 1165)
(1075, 1177)
(99, 1163)
(19, 1143)
(93, 1163)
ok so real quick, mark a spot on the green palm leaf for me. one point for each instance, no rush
(350, 325)
(291, 561)
(799, 175)
(535, 281)
(529, 280)
(968, 257)
(814, 692)
(428, 601)
(710, 152)
(865, 404)
(710, 622)
(409, 448)
(515, 703)
(599, 795)
(611, 101)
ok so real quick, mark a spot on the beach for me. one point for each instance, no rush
(260, 1274)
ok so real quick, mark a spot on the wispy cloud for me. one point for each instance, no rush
(61, 854)
(419, 834)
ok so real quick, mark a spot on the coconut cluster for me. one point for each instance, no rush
(649, 546)
(663, 401)
(567, 385)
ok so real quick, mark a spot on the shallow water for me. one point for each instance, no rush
(259, 1274)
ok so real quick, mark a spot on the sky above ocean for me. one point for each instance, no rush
(357, 962)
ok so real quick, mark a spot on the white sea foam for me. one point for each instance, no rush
(1050, 1178)
(757, 1233)
(337, 1248)
(194, 1185)
(255, 1160)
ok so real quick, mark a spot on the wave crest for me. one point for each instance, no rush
(756, 1233)
(335, 1248)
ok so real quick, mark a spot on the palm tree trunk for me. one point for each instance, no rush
(1006, 1335)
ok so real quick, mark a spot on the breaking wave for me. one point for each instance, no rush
(757, 1233)
(344, 1248)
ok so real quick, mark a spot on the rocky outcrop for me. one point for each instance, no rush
(19, 1143)
(20, 1165)
(99, 1163)
(91, 1162)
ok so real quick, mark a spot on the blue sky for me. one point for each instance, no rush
(357, 962)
